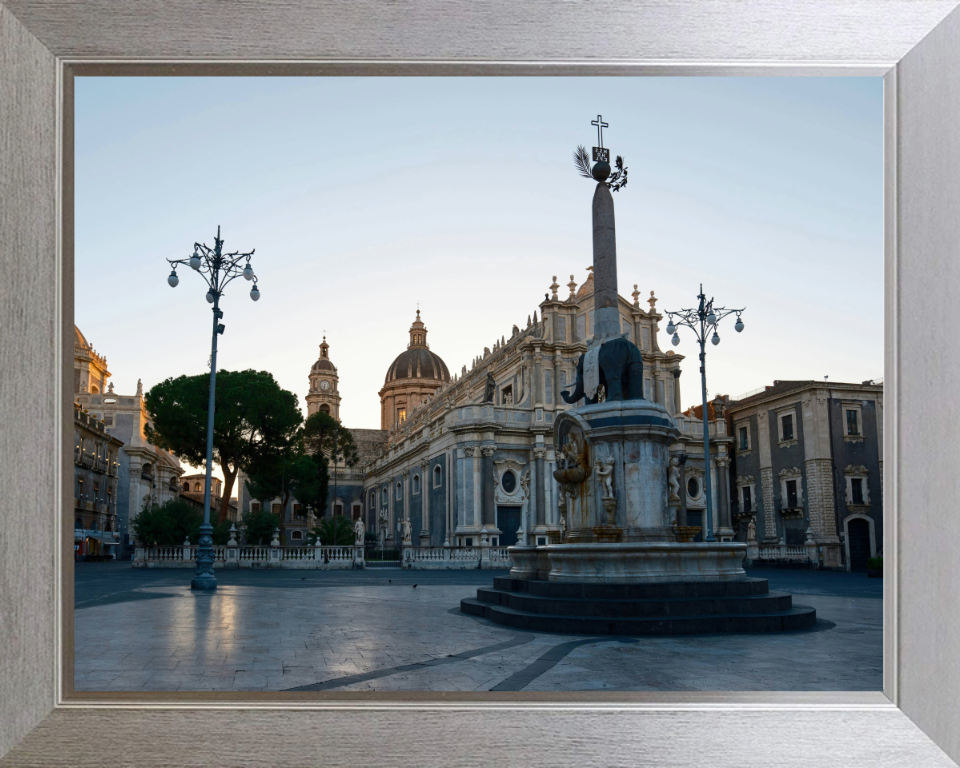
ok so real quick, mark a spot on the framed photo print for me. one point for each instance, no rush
(345, 416)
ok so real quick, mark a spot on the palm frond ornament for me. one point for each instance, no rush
(600, 171)
(582, 160)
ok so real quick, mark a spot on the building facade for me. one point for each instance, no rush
(473, 460)
(808, 464)
(96, 466)
(146, 474)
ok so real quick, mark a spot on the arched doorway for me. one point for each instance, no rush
(858, 543)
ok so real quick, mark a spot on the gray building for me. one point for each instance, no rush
(808, 463)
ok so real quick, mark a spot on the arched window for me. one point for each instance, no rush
(399, 491)
(186, 486)
(437, 476)
(373, 499)
(197, 487)
(326, 409)
(416, 484)
(297, 536)
(78, 524)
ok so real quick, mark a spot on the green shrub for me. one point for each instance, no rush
(260, 526)
(168, 524)
(875, 562)
(333, 531)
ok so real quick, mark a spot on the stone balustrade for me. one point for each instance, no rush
(324, 558)
(455, 558)
(806, 553)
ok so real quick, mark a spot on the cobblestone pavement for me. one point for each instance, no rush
(371, 630)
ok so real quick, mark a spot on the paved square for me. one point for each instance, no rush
(372, 630)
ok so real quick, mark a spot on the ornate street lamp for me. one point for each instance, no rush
(702, 320)
(219, 269)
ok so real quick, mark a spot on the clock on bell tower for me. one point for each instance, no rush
(323, 394)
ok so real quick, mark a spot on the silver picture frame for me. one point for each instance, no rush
(914, 45)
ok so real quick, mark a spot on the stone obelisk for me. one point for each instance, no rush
(605, 297)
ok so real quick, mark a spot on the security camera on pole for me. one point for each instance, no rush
(218, 269)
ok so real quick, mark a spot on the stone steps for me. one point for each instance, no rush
(681, 608)
(796, 618)
(772, 602)
(671, 590)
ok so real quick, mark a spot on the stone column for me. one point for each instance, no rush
(605, 297)
(488, 512)
(470, 502)
(541, 509)
(390, 509)
(406, 495)
(424, 504)
(676, 390)
(682, 512)
(538, 388)
(725, 530)
(448, 495)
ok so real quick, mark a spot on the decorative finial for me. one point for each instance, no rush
(554, 286)
(600, 171)
(572, 285)
(636, 296)
(652, 301)
(110, 388)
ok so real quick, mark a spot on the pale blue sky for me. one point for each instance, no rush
(363, 196)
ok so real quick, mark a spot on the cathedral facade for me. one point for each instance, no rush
(470, 459)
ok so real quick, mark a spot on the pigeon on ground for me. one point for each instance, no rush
(414, 586)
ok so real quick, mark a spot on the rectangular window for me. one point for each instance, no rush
(747, 500)
(646, 338)
(647, 387)
(561, 329)
(254, 506)
(297, 512)
(581, 327)
(788, 427)
(856, 488)
(661, 387)
(792, 494)
(744, 439)
(401, 415)
(852, 426)
(276, 509)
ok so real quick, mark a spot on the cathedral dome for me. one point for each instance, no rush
(417, 362)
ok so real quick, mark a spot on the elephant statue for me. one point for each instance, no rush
(621, 373)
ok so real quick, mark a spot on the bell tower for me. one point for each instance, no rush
(324, 394)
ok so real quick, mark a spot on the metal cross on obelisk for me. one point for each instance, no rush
(599, 153)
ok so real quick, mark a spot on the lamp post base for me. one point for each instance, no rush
(204, 583)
